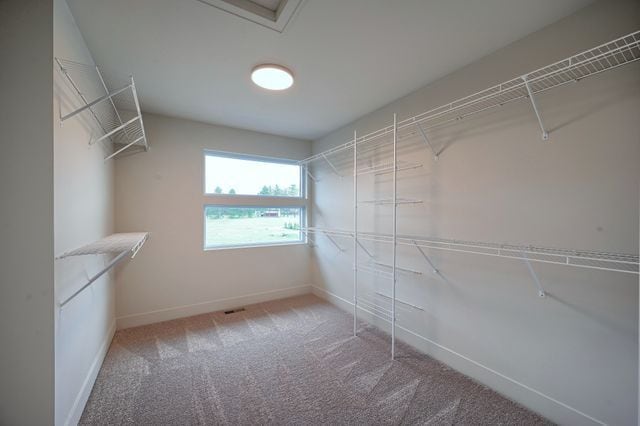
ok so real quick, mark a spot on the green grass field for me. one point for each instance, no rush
(226, 231)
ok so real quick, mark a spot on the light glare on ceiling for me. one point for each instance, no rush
(272, 77)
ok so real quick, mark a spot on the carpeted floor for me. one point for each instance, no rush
(291, 361)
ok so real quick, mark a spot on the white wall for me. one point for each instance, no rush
(161, 192)
(574, 354)
(26, 212)
(83, 212)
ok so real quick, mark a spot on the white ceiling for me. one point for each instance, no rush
(269, 4)
(349, 57)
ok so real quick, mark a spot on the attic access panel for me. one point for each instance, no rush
(272, 14)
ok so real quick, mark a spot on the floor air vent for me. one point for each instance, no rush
(233, 311)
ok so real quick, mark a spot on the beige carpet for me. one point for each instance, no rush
(292, 361)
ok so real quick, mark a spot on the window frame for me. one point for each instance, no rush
(254, 201)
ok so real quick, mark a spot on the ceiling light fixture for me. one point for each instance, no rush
(272, 77)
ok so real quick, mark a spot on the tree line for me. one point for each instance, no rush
(274, 191)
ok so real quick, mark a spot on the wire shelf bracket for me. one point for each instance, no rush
(311, 176)
(436, 154)
(541, 292)
(333, 241)
(333, 168)
(545, 134)
(424, 255)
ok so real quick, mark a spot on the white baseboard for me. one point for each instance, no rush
(533, 399)
(87, 385)
(151, 317)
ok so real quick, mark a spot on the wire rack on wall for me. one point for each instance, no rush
(607, 261)
(120, 244)
(605, 57)
(115, 112)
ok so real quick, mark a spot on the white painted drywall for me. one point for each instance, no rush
(83, 212)
(496, 180)
(161, 192)
(26, 213)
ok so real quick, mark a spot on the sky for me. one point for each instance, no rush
(247, 176)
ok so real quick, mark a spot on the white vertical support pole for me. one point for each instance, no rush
(355, 233)
(395, 242)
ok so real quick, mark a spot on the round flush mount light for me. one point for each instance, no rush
(272, 77)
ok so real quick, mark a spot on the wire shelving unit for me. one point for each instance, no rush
(121, 244)
(615, 262)
(605, 57)
(115, 112)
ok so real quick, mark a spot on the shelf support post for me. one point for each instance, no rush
(395, 237)
(355, 233)
(331, 165)
(426, 140)
(541, 292)
(545, 134)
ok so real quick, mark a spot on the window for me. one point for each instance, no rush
(241, 226)
(236, 175)
(252, 201)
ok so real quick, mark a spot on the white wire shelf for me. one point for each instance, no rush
(375, 271)
(605, 57)
(387, 201)
(114, 243)
(387, 167)
(402, 302)
(121, 244)
(116, 112)
(618, 262)
(383, 269)
(374, 308)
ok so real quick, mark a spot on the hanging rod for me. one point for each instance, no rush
(116, 112)
(120, 244)
(605, 57)
(606, 261)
